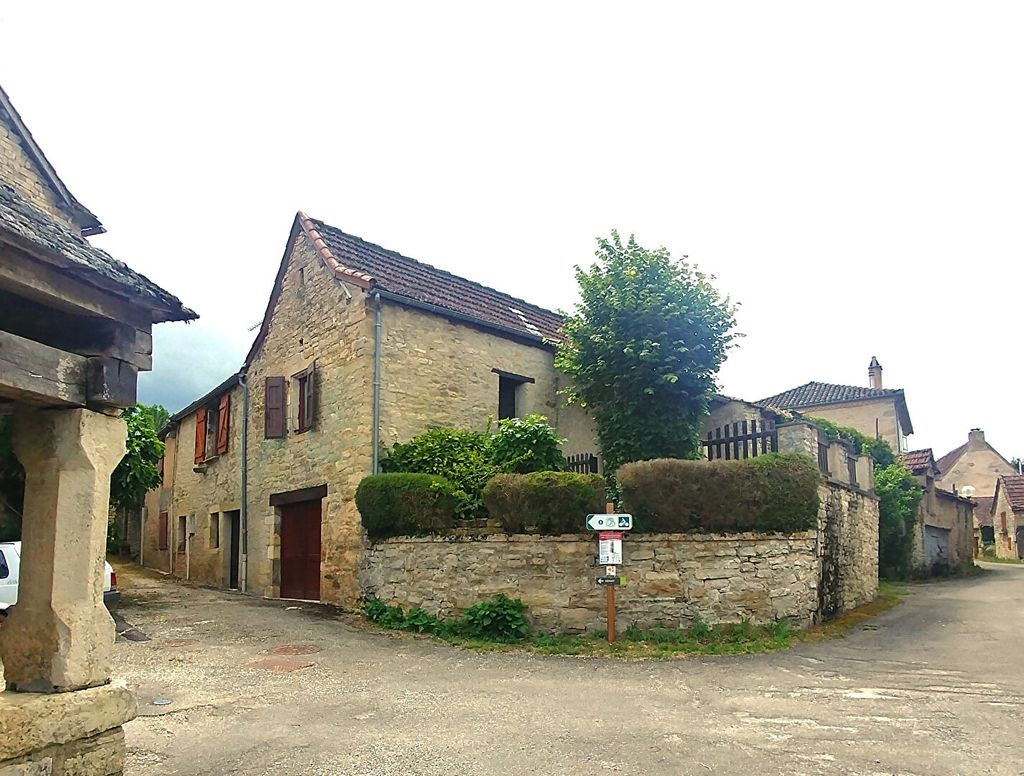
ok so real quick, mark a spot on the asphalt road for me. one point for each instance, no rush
(932, 687)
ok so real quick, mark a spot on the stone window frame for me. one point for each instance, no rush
(510, 381)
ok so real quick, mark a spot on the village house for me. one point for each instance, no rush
(360, 347)
(944, 530)
(973, 469)
(1008, 516)
(873, 411)
(75, 330)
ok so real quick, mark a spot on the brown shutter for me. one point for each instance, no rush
(200, 435)
(223, 423)
(162, 540)
(273, 408)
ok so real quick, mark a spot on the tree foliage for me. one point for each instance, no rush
(524, 445)
(899, 495)
(643, 349)
(138, 471)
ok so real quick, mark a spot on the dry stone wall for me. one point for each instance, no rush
(671, 578)
(848, 548)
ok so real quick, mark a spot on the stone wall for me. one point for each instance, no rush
(865, 416)
(20, 172)
(436, 372)
(671, 578)
(848, 548)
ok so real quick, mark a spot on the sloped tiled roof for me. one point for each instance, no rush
(814, 394)
(28, 227)
(917, 461)
(983, 509)
(411, 279)
(1013, 486)
(946, 462)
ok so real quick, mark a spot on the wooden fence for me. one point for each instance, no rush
(582, 463)
(743, 439)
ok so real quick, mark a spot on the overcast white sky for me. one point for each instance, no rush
(851, 174)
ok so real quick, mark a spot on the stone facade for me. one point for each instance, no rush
(870, 417)
(19, 171)
(943, 532)
(1005, 522)
(202, 494)
(672, 578)
(976, 464)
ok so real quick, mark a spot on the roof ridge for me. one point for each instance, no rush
(340, 270)
(433, 268)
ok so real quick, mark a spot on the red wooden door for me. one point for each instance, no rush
(300, 550)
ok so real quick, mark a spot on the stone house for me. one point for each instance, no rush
(873, 411)
(75, 330)
(1008, 516)
(973, 469)
(944, 530)
(360, 347)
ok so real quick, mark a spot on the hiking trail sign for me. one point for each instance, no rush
(609, 522)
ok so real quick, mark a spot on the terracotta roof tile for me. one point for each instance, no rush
(814, 394)
(917, 461)
(357, 260)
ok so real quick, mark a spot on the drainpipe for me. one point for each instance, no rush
(375, 468)
(243, 556)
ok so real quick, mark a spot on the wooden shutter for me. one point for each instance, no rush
(200, 435)
(309, 397)
(223, 423)
(273, 408)
(162, 540)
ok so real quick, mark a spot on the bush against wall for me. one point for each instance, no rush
(404, 504)
(771, 493)
(547, 503)
(879, 450)
(899, 495)
(469, 459)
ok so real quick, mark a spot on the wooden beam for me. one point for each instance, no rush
(38, 374)
(111, 382)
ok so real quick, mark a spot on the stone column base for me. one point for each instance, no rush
(63, 734)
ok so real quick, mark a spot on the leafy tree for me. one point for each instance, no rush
(138, 471)
(899, 495)
(643, 349)
(157, 413)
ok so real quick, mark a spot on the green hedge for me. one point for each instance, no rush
(406, 504)
(771, 493)
(545, 503)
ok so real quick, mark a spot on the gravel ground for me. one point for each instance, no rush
(932, 687)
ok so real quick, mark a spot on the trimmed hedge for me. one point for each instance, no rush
(546, 503)
(406, 504)
(771, 493)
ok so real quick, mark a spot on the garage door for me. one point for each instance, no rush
(300, 550)
(936, 548)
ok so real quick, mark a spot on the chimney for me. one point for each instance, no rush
(875, 373)
(976, 439)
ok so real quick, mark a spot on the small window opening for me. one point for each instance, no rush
(182, 529)
(214, 530)
(507, 390)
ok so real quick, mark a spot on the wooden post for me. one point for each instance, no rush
(610, 591)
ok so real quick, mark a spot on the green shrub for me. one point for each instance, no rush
(771, 493)
(899, 494)
(544, 502)
(462, 457)
(524, 445)
(878, 449)
(405, 504)
(499, 619)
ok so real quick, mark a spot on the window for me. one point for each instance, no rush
(4, 570)
(162, 533)
(214, 530)
(304, 391)
(182, 532)
(212, 427)
(1002, 523)
(508, 393)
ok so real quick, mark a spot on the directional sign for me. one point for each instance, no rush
(613, 581)
(610, 522)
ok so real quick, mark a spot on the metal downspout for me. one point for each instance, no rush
(243, 556)
(376, 384)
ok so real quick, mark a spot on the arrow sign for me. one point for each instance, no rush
(609, 522)
(613, 581)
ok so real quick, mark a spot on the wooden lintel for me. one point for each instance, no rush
(38, 374)
(111, 382)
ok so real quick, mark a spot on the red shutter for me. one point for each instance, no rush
(273, 409)
(200, 435)
(223, 423)
(162, 540)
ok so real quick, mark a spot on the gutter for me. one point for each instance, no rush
(375, 436)
(243, 555)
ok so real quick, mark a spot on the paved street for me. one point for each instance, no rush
(932, 687)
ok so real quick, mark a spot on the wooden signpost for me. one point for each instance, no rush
(609, 554)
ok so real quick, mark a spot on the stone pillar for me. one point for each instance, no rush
(59, 636)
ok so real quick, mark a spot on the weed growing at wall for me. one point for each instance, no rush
(771, 493)
(500, 619)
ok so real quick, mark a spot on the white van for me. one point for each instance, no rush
(10, 564)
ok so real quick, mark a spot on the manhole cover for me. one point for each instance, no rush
(180, 642)
(161, 702)
(295, 649)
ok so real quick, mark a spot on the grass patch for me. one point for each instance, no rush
(994, 559)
